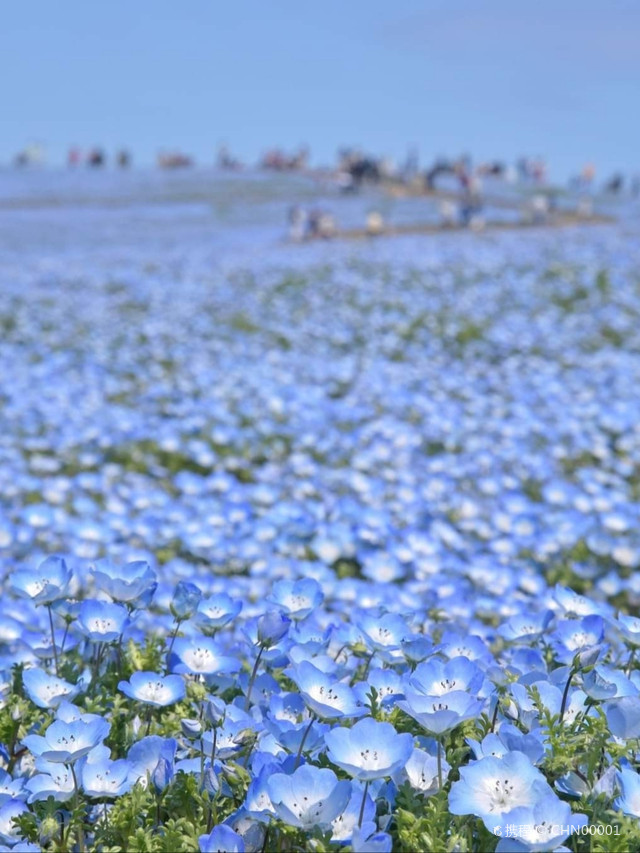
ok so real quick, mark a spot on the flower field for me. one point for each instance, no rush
(328, 547)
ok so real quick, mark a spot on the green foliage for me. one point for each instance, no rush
(427, 825)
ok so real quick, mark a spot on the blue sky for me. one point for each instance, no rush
(496, 78)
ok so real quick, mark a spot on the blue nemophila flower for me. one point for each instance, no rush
(20, 847)
(144, 756)
(526, 628)
(308, 798)
(347, 821)
(521, 706)
(191, 729)
(201, 656)
(210, 781)
(629, 801)
(306, 736)
(421, 771)
(231, 737)
(629, 627)
(47, 691)
(623, 717)
(70, 713)
(163, 773)
(272, 627)
(102, 621)
(216, 611)
(387, 684)
(416, 647)
(378, 842)
(382, 567)
(10, 788)
(67, 742)
(154, 689)
(264, 686)
(440, 714)
(325, 697)
(574, 604)
(214, 711)
(578, 639)
(9, 810)
(454, 645)
(102, 777)
(552, 699)
(221, 839)
(508, 739)
(132, 583)
(492, 787)
(324, 662)
(607, 682)
(383, 634)
(251, 830)
(41, 644)
(52, 780)
(310, 634)
(438, 678)
(369, 750)
(542, 827)
(257, 801)
(297, 598)
(44, 585)
(185, 601)
(574, 785)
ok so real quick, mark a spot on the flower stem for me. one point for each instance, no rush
(53, 640)
(174, 634)
(494, 718)
(213, 745)
(119, 655)
(247, 701)
(81, 844)
(364, 800)
(149, 709)
(368, 664)
(340, 650)
(565, 695)
(304, 737)
(266, 837)
(439, 764)
(363, 676)
(64, 636)
(630, 661)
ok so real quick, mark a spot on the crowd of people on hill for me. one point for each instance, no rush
(96, 158)
(277, 160)
(355, 169)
